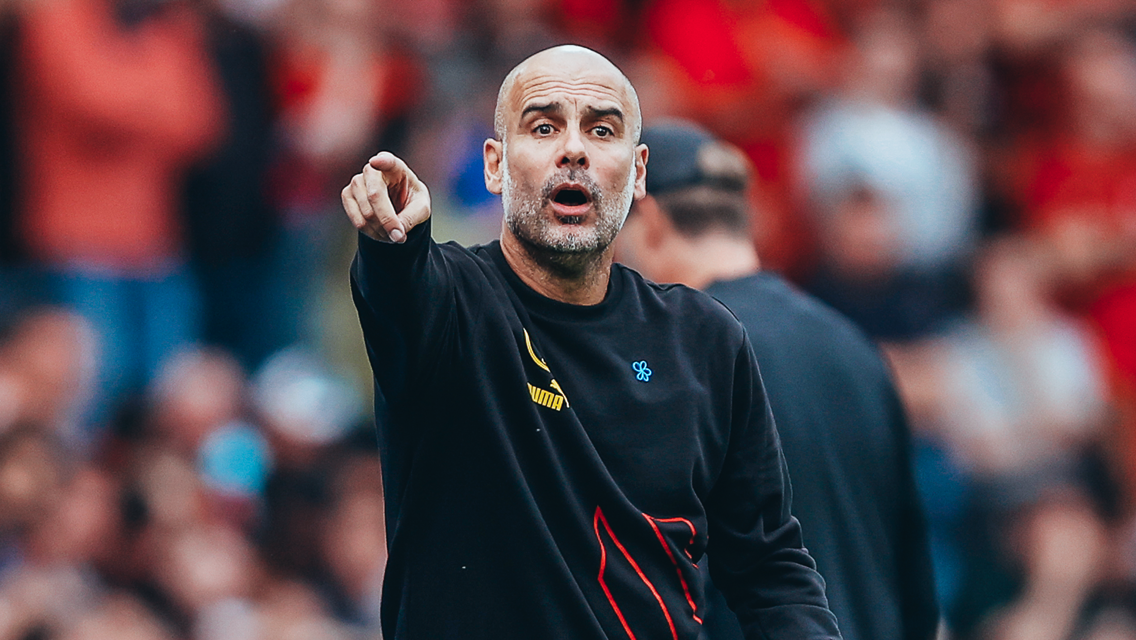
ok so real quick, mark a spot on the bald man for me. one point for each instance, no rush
(563, 441)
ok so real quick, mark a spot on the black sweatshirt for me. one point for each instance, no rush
(554, 471)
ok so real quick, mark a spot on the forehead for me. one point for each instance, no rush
(580, 84)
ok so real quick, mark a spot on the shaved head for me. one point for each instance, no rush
(570, 57)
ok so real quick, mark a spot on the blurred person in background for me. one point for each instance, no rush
(121, 616)
(47, 373)
(49, 544)
(115, 100)
(233, 227)
(1022, 398)
(860, 271)
(342, 85)
(199, 413)
(204, 571)
(354, 543)
(1080, 201)
(310, 418)
(745, 70)
(1062, 546)
(873, 138)
(843, 429)
(1022, 381)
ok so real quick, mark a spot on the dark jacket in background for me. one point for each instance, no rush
(847, 442)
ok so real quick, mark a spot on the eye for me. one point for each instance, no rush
(544, 129)
(603, 131)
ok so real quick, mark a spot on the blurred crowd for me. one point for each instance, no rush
(186, 448)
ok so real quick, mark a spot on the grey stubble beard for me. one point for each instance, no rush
(571, 254)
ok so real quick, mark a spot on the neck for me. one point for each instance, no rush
(701, 261)
(573, 278)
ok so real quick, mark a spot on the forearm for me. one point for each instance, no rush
(399, 296)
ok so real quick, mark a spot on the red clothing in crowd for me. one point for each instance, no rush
(302, 77)
(111, 116)
(1094, 188)
(744, 70)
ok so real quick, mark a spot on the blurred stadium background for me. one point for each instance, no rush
(186, 447)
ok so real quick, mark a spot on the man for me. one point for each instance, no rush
(844, 432)
(563, 440)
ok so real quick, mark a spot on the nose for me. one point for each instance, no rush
(575, 152)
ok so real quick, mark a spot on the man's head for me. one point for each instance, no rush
(566, 160)
(694, 222)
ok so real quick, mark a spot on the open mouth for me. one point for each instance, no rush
(571, 203)
(571, 197)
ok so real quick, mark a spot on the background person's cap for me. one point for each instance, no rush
(683, 154)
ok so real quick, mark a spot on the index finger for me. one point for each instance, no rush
(377, 185)
(399, 176)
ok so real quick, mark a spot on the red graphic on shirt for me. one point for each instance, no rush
(670, 554)
(599, 520)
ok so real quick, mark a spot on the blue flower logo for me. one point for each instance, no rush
(641, 371)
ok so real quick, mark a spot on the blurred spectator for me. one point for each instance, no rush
(921, 175)
(202, 567)
(195, 393)
(40, 588)
(1082, 195)
(745, 70)
(354, 544)
(1062, 547)
(47, 368)
(198, 412)
(344, 89)
(1022, 381)
(861, 271)
(115, 100)
(32, 477)
(232, 227)
(120, 617)
(1080, 199)
(306, 412)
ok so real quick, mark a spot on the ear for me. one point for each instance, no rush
(493, 154)
(641, 153)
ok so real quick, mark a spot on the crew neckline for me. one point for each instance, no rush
(542, 305)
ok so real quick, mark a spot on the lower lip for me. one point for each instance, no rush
(571, 211)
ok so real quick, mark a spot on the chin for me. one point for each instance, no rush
(578, 240)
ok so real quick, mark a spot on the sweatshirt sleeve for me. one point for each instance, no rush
(755, 551)
(405, 295)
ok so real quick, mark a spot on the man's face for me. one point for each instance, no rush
(568, 168)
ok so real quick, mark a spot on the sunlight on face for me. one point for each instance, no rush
(524, 206)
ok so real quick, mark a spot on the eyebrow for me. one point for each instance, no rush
(596, 114)
(593, 113)
(546, 108)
